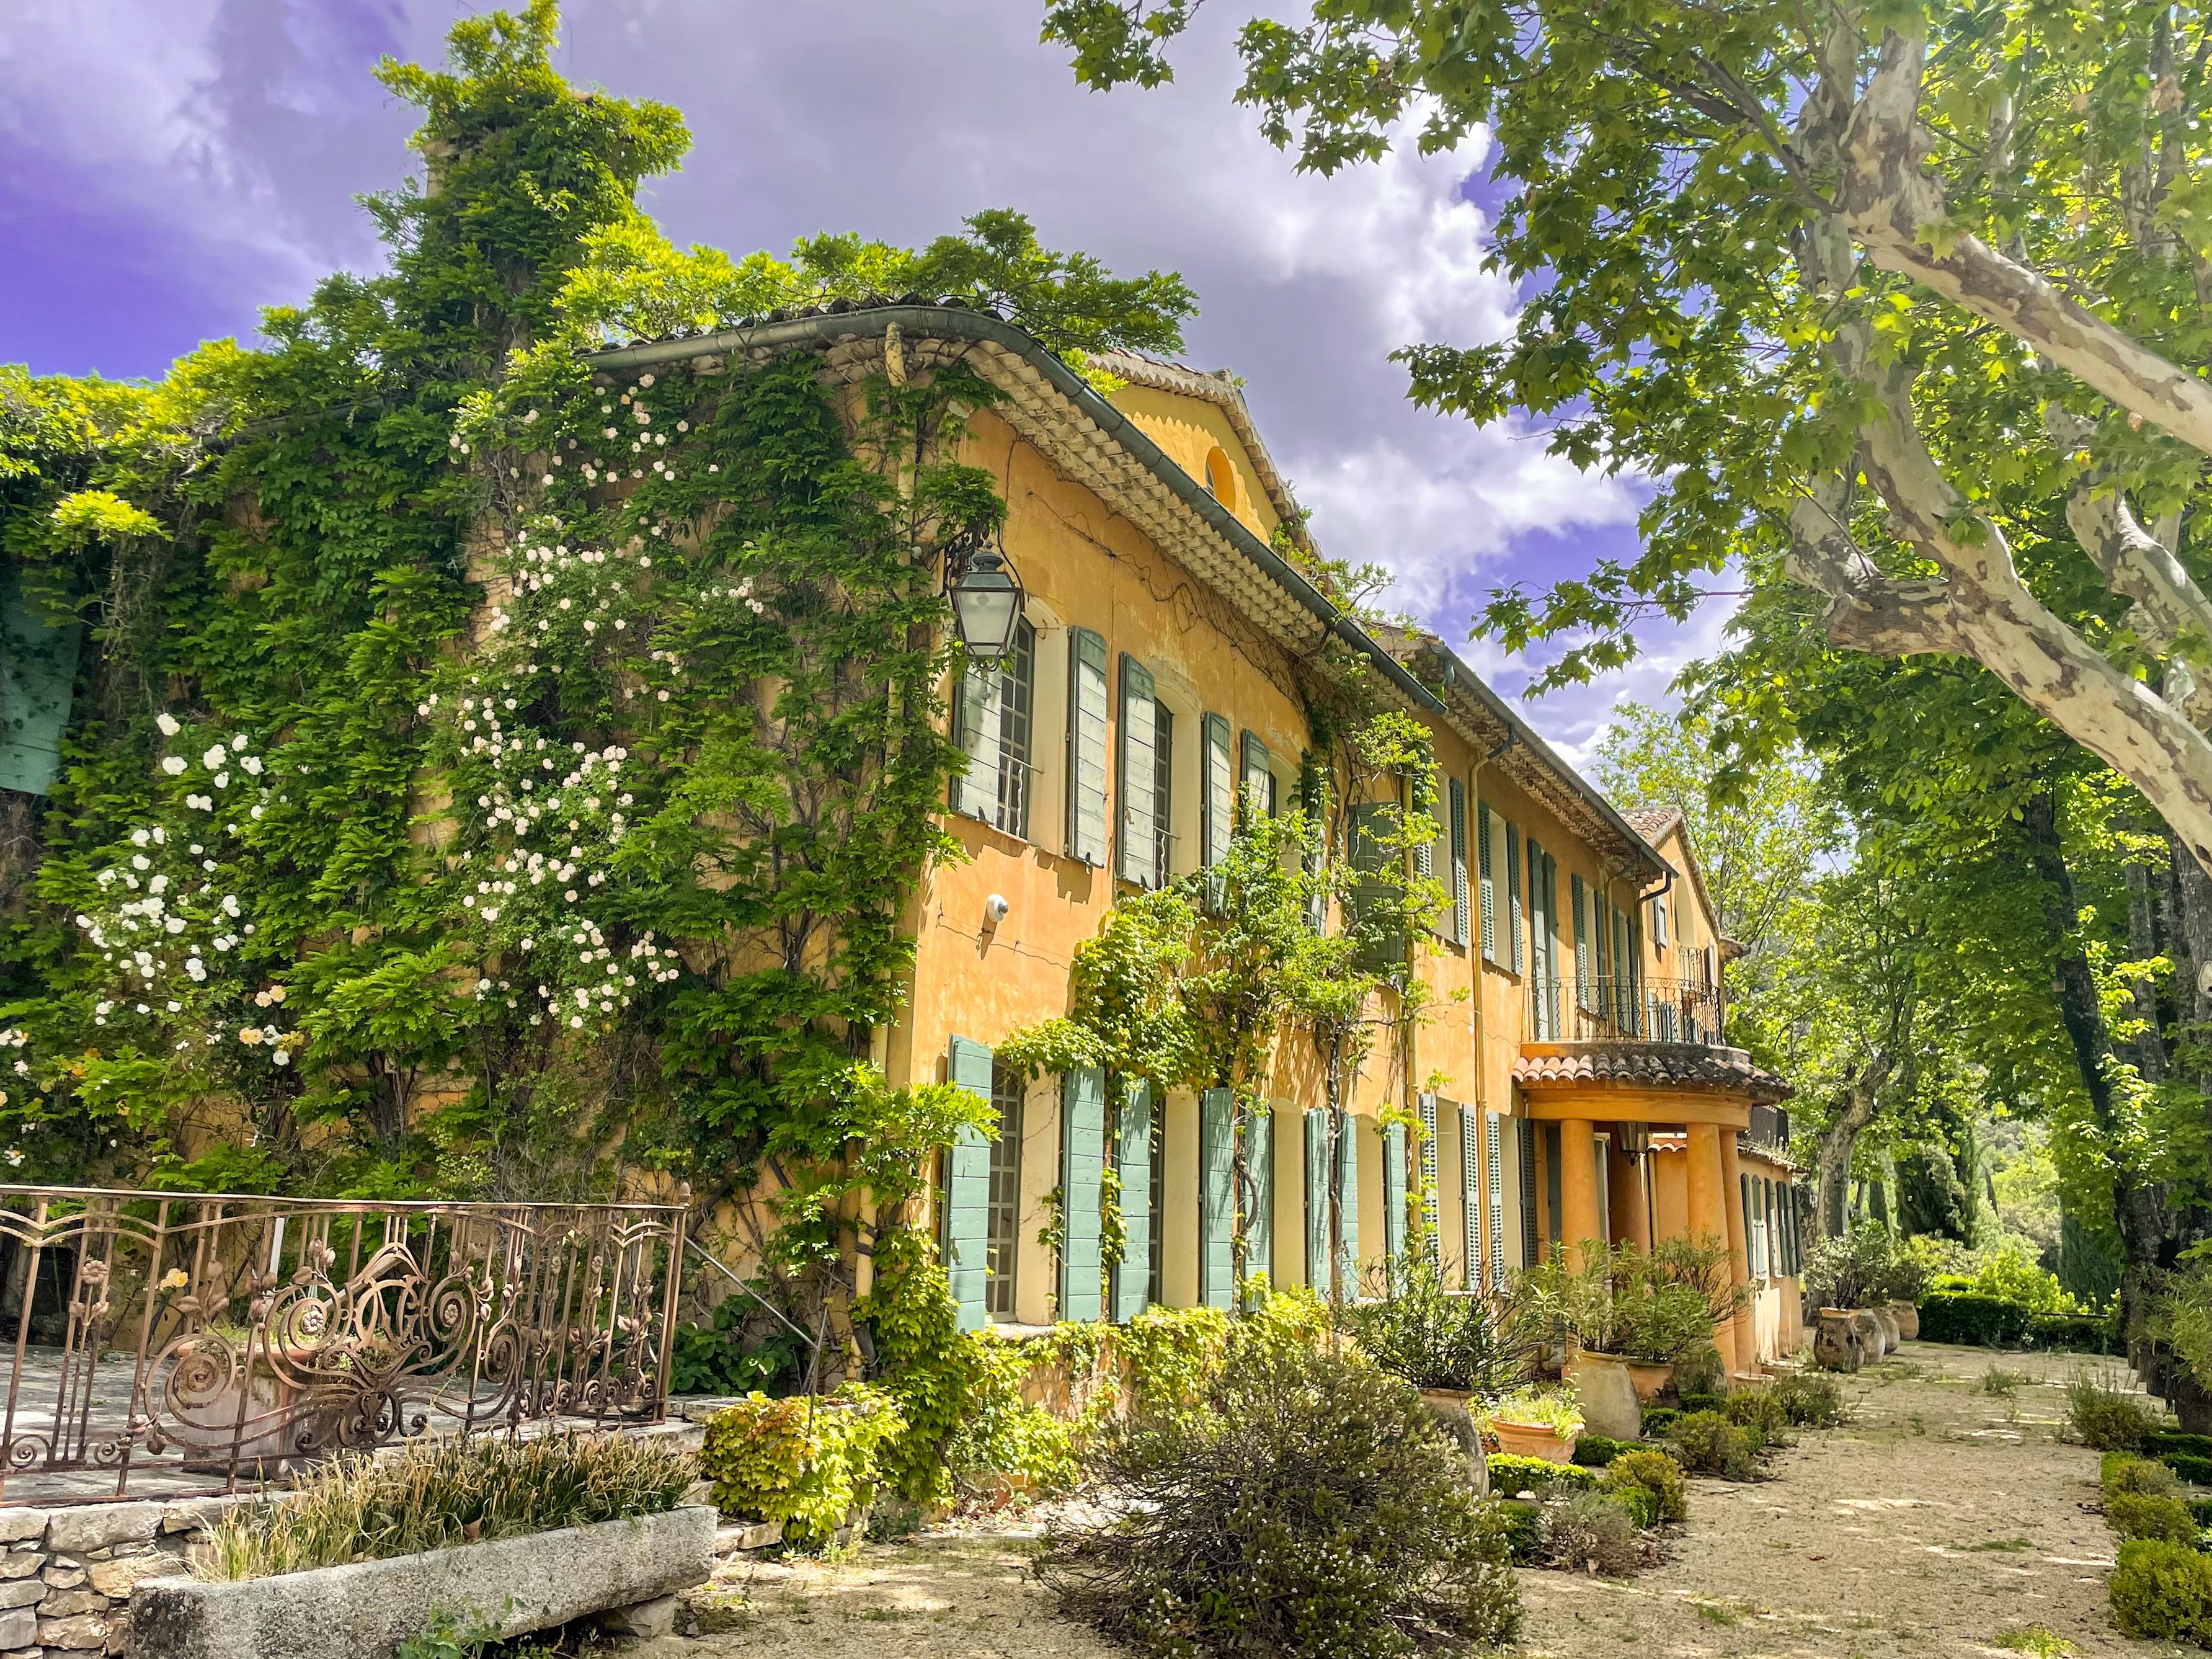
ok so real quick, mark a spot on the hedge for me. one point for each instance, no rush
(1976, 1320)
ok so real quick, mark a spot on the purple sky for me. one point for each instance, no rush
(172, 165)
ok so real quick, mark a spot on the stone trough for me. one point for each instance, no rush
(509, 1586)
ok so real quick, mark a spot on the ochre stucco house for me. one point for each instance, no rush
(1157, 669)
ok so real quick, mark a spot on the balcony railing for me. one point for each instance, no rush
(175, 1342)
(1606, 1008)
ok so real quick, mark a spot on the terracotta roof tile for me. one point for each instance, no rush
(1649, 1065)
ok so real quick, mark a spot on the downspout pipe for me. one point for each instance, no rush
(914, 321)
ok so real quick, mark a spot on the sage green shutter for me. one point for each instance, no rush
(1393, 1200)
(1485, 873)
(1259, 1217)
(1470, 1192)
(1317, 1198)
(1493, 1154)
(1430, 1199)
(1456, 827)
(1257, 778)
(1581, 894)
(1372, 889)
(967, 1230)
(1133, 1164)
(1347, 1207)
(1551, 942)
(1415, 793)
(1217, 795)
(1082, 1167)
(1217, 1198)
(1513, 919)
(1087, 746)
(38, 680)
(1524, 1150)
(1140, 787)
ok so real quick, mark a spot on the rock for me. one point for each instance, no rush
(64, 1604)
(86, 1630)
(18, 1628)
(198, 1514)
(117, 1578)
(20, 1566)
(747, 1535)
(87, 1527)
(64, 1577)
(17, 1526)
(23, 1593)
(643, 1620)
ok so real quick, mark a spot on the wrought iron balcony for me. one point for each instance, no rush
(1608, 1008)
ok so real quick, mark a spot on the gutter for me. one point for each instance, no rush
(982, 327)
(1456, 673)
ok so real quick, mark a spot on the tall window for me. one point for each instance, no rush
(994, 717)
(1002, 1240)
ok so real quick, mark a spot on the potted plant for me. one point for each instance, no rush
(1540, 1420)
(1669, 1306)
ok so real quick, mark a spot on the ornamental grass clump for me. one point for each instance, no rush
(1312, 1507)
(449, 1493)
(1595, 1532)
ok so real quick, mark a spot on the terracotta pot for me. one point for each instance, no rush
(1836, 1343)
(1607, 1394)
(1649, 1377)
(1870, 1333)
(1908, 1319)
(1532, 1440)
(1892, 1337)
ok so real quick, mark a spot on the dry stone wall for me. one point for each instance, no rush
(66, 1576)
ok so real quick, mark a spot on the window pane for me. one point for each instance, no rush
(1003, 1241)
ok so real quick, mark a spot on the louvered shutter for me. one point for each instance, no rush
(1624, 973)
(1138, 783)
(1317, 1123)
(1082, 1169)
(1539, 967)
(1524, 1147)
(1216, 1198)
(1578, 894)
(1470, 1192)
(1485, 870)
(967, 1228)
(1258, 779)
(1514, 918)
(1087, 746)
(1493, 1155)
(1431, 1231)
(978, 718)
(1259, 1202)
(1415, 793)
(1347, 1207)
(1633, 992)
(1372, 891)
(1217, 799)
(1455, 835)
(1394, 1202)
(1133, 1164)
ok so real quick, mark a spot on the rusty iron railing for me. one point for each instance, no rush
(180, 1342)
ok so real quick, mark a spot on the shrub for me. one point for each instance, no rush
(1703, 1402)
(1511, 1476)
(807, 1463)
(2150, 1515)
(451, 1491)
(1758, 1409)
(2074, 1333)
(1524, 1529)
(1655, 1472)
(2163, 1591)
(1424, 1335)
(1595, 1451)
(1709, 1443)
(1592, 1534)
(2121, 1472)
(1658, 1419)
(2198, 1471)
(1310, 1506)
(2161, 1443)
(2104, 1419)
(1809, 1401)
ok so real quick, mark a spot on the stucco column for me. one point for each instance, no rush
(1579, 1219)
(1708, 1207)
(1631, 1213)
(1747, 1344)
